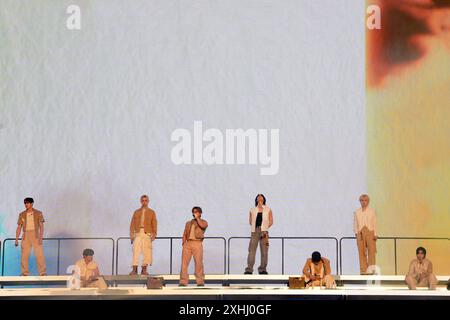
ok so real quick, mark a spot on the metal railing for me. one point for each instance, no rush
(58, 255)
(226, 249)
(282, 247)
(171, 250)
(395, 239)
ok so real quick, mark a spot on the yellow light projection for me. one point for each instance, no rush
(408, 128)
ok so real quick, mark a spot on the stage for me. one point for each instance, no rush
(221, 287)
(221, 293)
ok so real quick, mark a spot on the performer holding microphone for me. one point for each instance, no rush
(193, 235)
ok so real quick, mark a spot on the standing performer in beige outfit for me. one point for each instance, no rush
(420, 272)
(260, 219)
(89, 272)
(193, 235)
(317, 272)
(31, 221)
(365, 228)
(143, 230)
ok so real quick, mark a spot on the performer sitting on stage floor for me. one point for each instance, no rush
(89, 272)
(260, 219)
(317, 271)
(420, 272)
(365, 228)
(143, 229)
(193, 235)
(32, 223)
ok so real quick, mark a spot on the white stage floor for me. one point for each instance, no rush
(221, 287)
(224, 293)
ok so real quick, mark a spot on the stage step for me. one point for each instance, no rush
(226, 293)
(222, 279)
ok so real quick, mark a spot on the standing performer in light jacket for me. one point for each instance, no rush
(260, 219)
(365, 228)
(143, 230)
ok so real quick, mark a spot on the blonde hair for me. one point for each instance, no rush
(364, 196)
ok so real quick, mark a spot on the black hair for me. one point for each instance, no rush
(197, 208)
(88, 252)
(28, 200)
(316, 257)
(424, 251)
(256, 199)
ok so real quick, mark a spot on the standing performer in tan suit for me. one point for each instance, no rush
(31, 221)
(420, 272)
(317, 271)
(365, 228)
(143, 230)
(193, 235)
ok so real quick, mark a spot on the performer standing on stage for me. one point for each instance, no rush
(143, 230)
(366, 234)
(193, 235)
(89, 272)
(260, 219)
(31, 221)
(420, 272)
(317, 271)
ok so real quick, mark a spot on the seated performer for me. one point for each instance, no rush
(317, 271)
(420, 272)
(193, 235)
(89, 272)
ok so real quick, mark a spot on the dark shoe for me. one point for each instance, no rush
(248, 272)
(24, 274)
(263, 272)
(144, 271)
(134, 271)
(182, 285)
(43, 274)
(200, 285)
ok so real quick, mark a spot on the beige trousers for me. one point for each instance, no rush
(327, 281)
(430, 282)
(366, 249)
(192, 248)
(100, 283)
(31, 241)
(142, 244)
